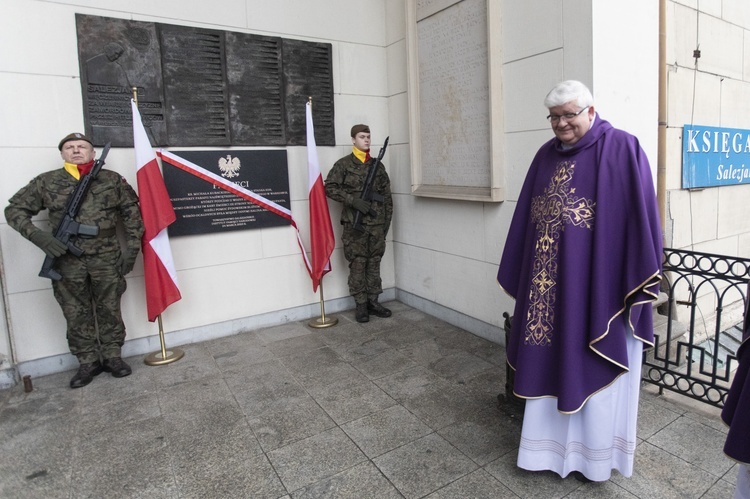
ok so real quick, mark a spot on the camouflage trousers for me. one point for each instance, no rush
(363, 251)
(89, 295)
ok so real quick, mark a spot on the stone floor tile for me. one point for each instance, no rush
(428, 351)
(282, 332)
(424, 466)
(24, 411)
(600, 490)
(459, 367)
(409, 383)
(415, 411)
(36, 455)
(361, 481)
(720, 490)
(119, 412)
(318, 368)
(530, 484)
(478, 484)
(296, 345)
(242, 356)
(439, 405)
(385, 364)
(226, 463)
(197, 363)
(232, 342)
(490, 352)
(490, 382)
(653, 417)
(483, 436)
(404, 336)
(351, 398)
(695, 443)
(370, 346)
(251, 477)
(196, 395)
(270, 388)
(658, 473)
(316, 458)
(385, 430)
(294, 422)
(132, 461)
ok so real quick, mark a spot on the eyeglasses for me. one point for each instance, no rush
(554, 118)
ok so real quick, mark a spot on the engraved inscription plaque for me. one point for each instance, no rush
(456, 130)
(203, 208)
(256, 98)
(114, 58)
(194, 86)
(308, 73)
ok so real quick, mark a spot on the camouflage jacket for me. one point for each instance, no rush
(109, 199)
(346, 180)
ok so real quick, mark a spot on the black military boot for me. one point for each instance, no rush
(117, 367)
(85, 374)
(361, 315)
(377, 309)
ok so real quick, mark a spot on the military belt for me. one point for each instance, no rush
(107, 232)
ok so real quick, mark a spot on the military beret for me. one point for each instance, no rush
(360, 128)
(74, 136)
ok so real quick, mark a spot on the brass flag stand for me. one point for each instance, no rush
(322, 321)
(163, 356)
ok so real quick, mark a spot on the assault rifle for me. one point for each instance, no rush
(68, 226)
(367, 192)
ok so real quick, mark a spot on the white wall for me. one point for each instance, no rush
(713, 90)
(225, 278)
(443, 255)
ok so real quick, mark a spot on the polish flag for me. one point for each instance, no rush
(156, 208)
(321, 231)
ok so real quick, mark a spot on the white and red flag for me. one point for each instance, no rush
(321, 231)
(156, 208)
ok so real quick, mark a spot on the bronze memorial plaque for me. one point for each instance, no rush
(116, 55)
(200, 86)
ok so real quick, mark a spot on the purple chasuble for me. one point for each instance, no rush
(582, 260)
(736, 412)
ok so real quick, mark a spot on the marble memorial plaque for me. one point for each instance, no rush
(454, 94)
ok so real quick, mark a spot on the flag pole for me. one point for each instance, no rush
(314, 166)
(322, 321)
(164, 356)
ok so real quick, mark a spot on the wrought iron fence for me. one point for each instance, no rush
(705, 297)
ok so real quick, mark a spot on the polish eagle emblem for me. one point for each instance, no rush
(229, 166)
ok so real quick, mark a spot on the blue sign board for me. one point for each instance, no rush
(714, 156)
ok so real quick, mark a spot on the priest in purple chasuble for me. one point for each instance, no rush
(736, 412)
(583, 262)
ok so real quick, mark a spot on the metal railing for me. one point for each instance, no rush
(705, 296)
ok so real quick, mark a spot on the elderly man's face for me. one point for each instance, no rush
(570, 130)
(78, 152)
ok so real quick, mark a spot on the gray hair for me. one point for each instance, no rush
(567, 91)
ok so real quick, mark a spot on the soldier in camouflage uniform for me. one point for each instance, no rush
(91, 286)
(363, 250)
